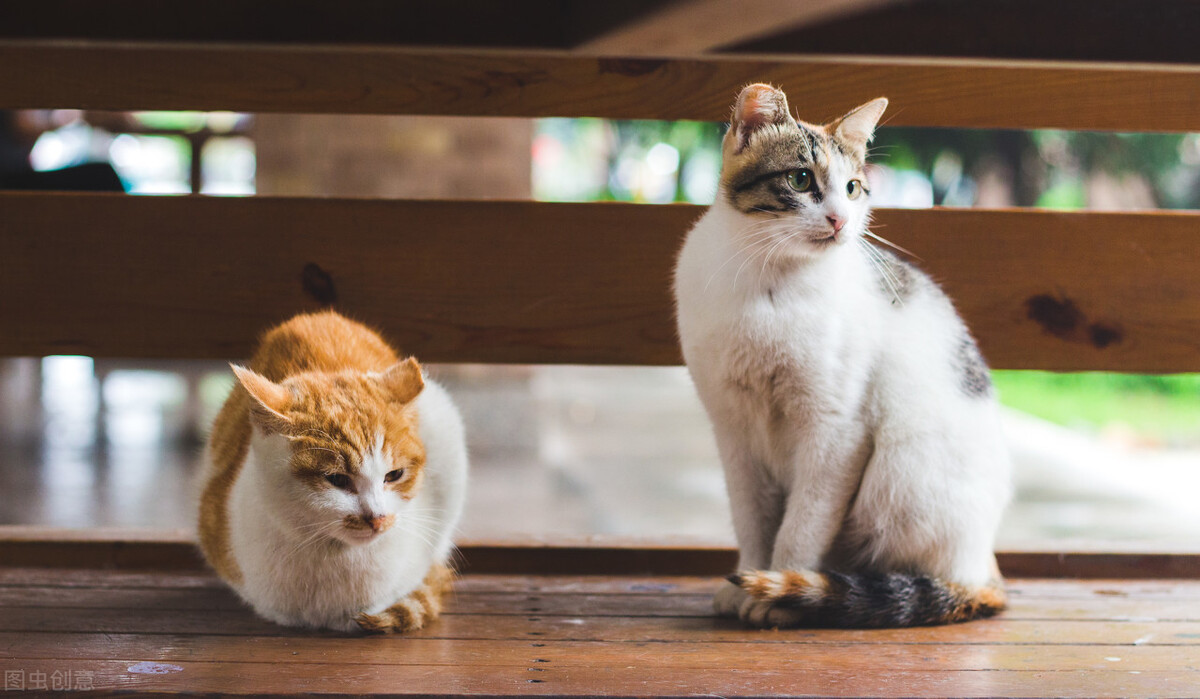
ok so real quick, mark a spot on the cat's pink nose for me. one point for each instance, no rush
(379, 523)
(837, 222)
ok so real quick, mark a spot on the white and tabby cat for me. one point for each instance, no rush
(853, 413)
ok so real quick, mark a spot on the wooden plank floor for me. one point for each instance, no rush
(154, 632)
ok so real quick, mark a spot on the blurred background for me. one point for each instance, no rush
(1104, 461)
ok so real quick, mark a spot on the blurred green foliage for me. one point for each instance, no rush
(1163, 409)
(1048, 167)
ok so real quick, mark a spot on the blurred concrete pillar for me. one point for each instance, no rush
(393, 156)
(20, 400)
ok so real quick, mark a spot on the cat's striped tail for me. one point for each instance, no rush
(861, 600)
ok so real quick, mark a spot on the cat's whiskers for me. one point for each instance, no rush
(422, 516)
(420, 524)
(882, 267)
(418, 521)
(890, 244)
(771, 242)
(777, 234)
(431, 515)
(779, 245)
(424, 530)
(311, 539)
(426, 535)
(754, 239)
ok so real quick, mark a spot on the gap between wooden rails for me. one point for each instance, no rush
(525, 282)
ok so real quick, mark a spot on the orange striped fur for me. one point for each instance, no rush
(422, 606)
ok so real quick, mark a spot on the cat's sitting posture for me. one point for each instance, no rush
(853, 413)
(333, 480)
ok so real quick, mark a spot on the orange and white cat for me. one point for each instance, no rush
(333, 481)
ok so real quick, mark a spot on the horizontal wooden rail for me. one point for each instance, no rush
(363, 79)
(117, 276)
(48, 547)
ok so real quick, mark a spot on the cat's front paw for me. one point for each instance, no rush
(728, 600)
(419, 608)
(406, 615)
(732, 601)
(768, 615)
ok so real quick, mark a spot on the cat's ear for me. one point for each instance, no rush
(858, 127)
(403, 380)
(757, 106)
(271, 401)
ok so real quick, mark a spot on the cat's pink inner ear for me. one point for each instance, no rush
(271, 401)
(403, 380)
(858, 126)
(757, 106)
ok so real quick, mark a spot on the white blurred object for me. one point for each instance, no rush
(899, 189)
(152, 164)
(1071, 485)
(73, 144)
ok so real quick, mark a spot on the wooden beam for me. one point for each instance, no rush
(519, 282)
(697, 26)
(370, 80)
(47, 547)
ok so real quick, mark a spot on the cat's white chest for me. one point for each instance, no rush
(789, 369)
(784, 361)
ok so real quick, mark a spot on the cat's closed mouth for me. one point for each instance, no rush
(363, 535)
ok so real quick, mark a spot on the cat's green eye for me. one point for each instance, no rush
(800, 180)
(393, 476)
(339, 480)
(854, 189)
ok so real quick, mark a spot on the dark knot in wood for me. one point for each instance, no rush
(1062, 318)
(317, 283)
(1059, 317)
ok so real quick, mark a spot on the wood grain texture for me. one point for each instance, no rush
(641, 677)
(298, 652)
(630, 635)
(664, 603)
(579, 627)
(203, 582)
(696, 26)
(384, 80)
(527, 282)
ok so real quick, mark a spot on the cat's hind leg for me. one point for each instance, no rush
(420, 607)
